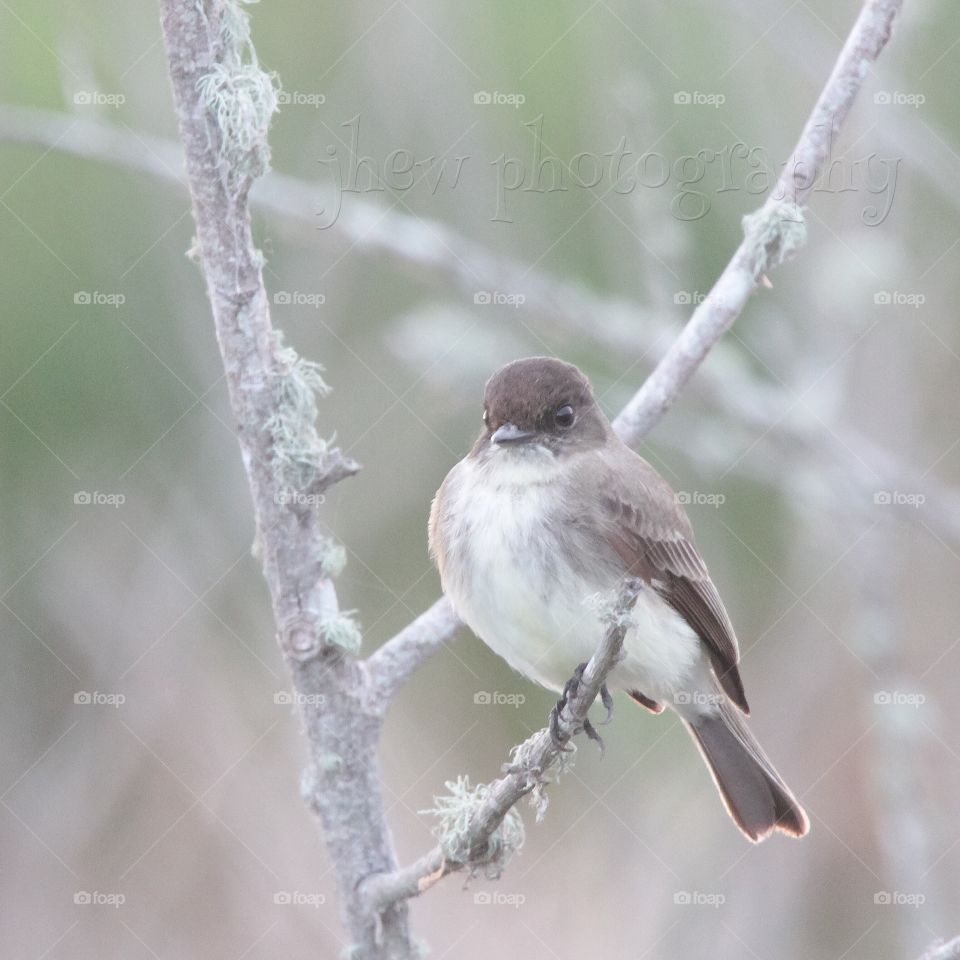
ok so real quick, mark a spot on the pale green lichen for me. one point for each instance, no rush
(298, 450)
(330, 762)
(774, 234)
(241, 96)
(300, 453)
(342, 631)
(455, 812)
(521, 761)
(334, 559)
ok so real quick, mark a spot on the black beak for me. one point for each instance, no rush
(510, 433)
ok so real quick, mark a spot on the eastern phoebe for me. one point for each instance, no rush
(550, 508)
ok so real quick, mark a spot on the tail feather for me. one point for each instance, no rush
(755, 795)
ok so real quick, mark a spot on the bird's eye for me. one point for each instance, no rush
(563, 416)
(486, 416)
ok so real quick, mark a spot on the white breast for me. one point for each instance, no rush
(505, 543)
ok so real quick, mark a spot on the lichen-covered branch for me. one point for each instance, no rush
(479, 829)
(224, 102)
(771, 235)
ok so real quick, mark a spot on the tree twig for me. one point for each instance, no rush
(772, 235)
(530, 764)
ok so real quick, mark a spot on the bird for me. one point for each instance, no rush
(551, 508)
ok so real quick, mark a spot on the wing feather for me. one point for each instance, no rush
(653, 537)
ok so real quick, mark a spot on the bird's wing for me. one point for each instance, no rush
(651, 534)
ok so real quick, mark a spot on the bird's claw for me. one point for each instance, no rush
(556, 735)
(569, 691)
(607, 702)
(591, 731)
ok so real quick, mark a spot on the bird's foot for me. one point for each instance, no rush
(569, 690)
(607, 702)
(591, 731)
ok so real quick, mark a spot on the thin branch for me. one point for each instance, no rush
(393, 663)
(527, 772)
(772, 234)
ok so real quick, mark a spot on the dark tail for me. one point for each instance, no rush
(755, 796)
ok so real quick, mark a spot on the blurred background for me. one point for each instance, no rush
(454, 189)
